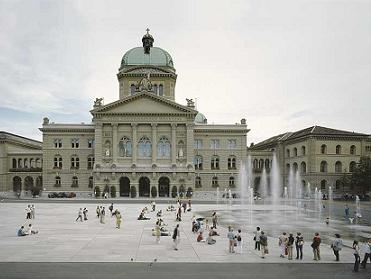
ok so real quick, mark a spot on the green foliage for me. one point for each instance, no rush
(113, 191)
(361, 177)
(133, 192)
(153, 191)
(174, 192)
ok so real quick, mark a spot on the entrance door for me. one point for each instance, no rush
(164, 187)
(124, 187)
(144, 186)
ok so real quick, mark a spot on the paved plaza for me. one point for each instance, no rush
(62, 239)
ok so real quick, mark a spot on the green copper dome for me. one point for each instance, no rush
(156, 57)
(200, 118)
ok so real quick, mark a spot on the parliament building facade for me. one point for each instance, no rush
(146, 144)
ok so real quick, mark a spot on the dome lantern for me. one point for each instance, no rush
(147, 41)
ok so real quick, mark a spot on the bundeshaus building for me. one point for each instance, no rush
(141, 145)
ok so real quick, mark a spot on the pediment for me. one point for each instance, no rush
(143, 103)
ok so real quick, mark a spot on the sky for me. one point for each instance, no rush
(282, 65)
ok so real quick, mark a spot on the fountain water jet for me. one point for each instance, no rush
(275, 184)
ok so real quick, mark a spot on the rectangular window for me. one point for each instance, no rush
(214, 144)
(368, 148)
(57, 143)
(90, 143)
(232, 144)
(198, 143)
(75, 143)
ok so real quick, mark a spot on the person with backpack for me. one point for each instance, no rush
(337, 245)
(315, 245)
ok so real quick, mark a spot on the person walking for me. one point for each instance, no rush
(315, 245)
(85, 212)
(366, 249)
(231, 238)
(337, 245)
(239, 241)
(97, 211)
(356, 256)
(290, 246)
(263, 244)
(257, 238)
(299, 243)
(214, 218)
(118, 219)
(176, 237)
(282, 242)
(102, 215)
(79, 215)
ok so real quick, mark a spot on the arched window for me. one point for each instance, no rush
(25, 164)
(338, 166)
(338, 149)
(287, 152)
(323, 184)
(261, 164)
(57, 162)
(255, 164)
(90, 162)
(198, 162)
(14, 165)
(198, 182)
(323, 149)
(20, 163)
(75, 182)
(303, 150)
(57, 181)
(75, 162)
(323, 166)
(287, 168)
(38, 163)
(231, 181)
(338, 184)
(163, 148)
(214, 182)
(32, 163)
(161, 90)
(352, 166)
(155, 89)
(125, 147)
(295, 167)
(107, 148)
(215, 162)
(267, 164)
(144, 147)
(232, 163)
(353, 150)
(303, 167)
(295, 151)
(91, 182)
(132, 89)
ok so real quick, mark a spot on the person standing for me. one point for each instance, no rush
(157, 232)
(214, 219)
(315, 245)
(257, 238)
(97, 211)
(79, 215)
(336, 246)
(176, 237)
(290, 246)
(111, 209)
(299, 242)
(346, 209)
(239, 241)
(153, 206)
(85, 212)
(356, 256)
(102, 215)
(366, 249)
(263, 244)
(231, 238)
(28, 212)
(32, 211)
(282, 242)
(118, 219)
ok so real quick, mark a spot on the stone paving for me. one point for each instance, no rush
(62, 239)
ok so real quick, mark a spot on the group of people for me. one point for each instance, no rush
(30, 212)
(81, 213)
(25, 230)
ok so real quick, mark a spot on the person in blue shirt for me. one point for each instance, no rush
(21, 232)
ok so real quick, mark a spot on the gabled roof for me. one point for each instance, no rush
(13, 138)
(143, 95)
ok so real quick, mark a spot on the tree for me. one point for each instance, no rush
(174, 192)
(361, 177)
(153, 191)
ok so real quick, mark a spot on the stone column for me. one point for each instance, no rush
(154, 142)
(98, 143)
(190, 143)
(134, 142)
(173, 144)
(114, 142)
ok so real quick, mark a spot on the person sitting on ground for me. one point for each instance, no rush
(21, 232)
(200, 237)
(159, 213)
(30, 230)
(142, 217)
(213, 231)
(210, 240)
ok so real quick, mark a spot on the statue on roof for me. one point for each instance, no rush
(98, 102)
(144, 84)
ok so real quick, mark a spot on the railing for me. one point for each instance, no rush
(26, 170)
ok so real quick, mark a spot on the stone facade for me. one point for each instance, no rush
(322, 156)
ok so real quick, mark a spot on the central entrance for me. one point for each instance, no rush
(164, 187)
(124, 186)
(144, 186)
